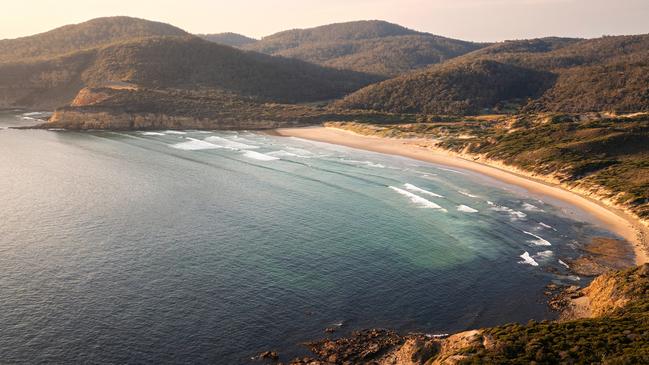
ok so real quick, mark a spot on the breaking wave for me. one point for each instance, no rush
(564, 264)
(195, 145)
(539, 241)
(259, 156)
(466, 209)
(531, 208)
(423, 202)
(467, 194)
(544, 254)
(420, 190)
(451, 170)
(513, 214)
(226, 143)
(527, 259)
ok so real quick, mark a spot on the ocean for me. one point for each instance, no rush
(209, 247)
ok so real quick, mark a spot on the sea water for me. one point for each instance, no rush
(209, 247)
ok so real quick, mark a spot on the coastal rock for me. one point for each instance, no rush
(454, 350)
(269, 355)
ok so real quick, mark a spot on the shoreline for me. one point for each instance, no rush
(616, 220)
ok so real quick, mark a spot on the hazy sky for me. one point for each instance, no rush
(478, 20)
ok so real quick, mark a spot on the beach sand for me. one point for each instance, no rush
(615, 220)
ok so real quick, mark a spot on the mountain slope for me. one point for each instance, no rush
(173, 62)
(190, 62)
(608, 73)
(76, 37)
(465, 87)
(228, 39)
(367, 46)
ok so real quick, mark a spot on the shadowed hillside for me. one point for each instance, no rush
(178, 62)
(76, 37)
(228, 39)
(467, 87)
(368, 46)
(608, 73)
(190, 62)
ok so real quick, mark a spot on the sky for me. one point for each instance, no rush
(474, 20)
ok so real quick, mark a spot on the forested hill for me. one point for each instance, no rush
(551, 74)
(76, 37)
(374, 46)
(172, 62)
(193, 63)
(228, 39)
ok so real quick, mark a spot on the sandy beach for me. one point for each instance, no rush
(615, 220)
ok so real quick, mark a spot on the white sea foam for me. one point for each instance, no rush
(466, 209)
(152, 134)
(564, 264)
(451, 170)
(194, 145)
(531, 208)
(229, 144)
(423, 202)
(420, 190)
(513, 214)
(467, 194)
(544, 254)
(527, 259)
(282, 153)
(366, 163)
(300, 151)
(174, 132)
(244, 140)
(539, 241)
(547, 226)
(259, 156)
(292, 152)
(490, 202)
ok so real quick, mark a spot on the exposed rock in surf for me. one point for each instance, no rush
(268, 355)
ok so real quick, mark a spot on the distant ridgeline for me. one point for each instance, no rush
(47, 70)
(375, 47)
(344, 66)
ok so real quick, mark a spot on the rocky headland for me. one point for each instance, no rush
(605, 323)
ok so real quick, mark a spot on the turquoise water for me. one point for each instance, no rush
(208, 247)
